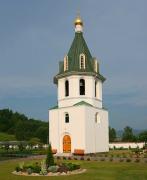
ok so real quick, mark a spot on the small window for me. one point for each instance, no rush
(66, 88)
(65, 63)
(82, 87)
(97, 118)
(66, 118)
(82, 61)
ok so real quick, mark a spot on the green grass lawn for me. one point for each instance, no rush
(95, 170)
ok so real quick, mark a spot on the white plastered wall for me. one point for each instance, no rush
(84, 132)
(97, 139)
(75, 128)
(74, 96)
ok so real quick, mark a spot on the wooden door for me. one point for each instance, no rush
(66, 144)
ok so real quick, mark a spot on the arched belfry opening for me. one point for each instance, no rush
(82, 87)
(66, 88)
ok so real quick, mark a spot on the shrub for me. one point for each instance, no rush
(64, 158)
(88, 159)
(53, 169)
(49, 158)
(112, 155)
(124, 156)
(17, 169)
(36, 168)
(111, 159)
(29, 171)
(145, 155)
(72, 166)
(128, 160)
(102, 159)
(75, 158)
(62, 168)
(137, 160)
(43, 168)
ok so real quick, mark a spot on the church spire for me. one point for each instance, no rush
(78, 24)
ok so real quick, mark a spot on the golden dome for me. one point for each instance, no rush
(78, 21)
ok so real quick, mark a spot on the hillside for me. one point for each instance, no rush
(21, 127)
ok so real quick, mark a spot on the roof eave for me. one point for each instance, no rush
(66, 74)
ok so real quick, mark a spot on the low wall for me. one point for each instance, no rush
(126, 145)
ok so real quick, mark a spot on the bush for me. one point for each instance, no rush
(145, 155)
(43, 168)
(124, 156)
(29, 171)
(128, 160)
(53, 169)
(118, 155)
(17, 169)
(88, 159)
(111, 159)
(36, 168)
(49, 158)
(137, 160)
(62, 168)
(102, 159)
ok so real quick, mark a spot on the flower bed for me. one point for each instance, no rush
(40, 169)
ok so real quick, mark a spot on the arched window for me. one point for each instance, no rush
(66, 118)
(66, 88)
(82, 61)
(97, 118)
(65, 63)
(82, 87)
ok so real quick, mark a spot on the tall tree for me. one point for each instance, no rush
(143, 136)
(128, 134)
(49, 158)
(112, 134)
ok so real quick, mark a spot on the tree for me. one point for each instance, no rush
(49, 158)
(22, 127)
(42, 133)
(112, 134)
(128, 134)
(143, 136)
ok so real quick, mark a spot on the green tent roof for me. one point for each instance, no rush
(78, 47)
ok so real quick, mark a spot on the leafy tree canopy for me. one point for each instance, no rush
(22, 127)
(112, 134)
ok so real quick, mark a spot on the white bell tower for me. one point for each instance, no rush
(79, 123)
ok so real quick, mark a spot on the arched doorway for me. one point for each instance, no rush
(66, 144)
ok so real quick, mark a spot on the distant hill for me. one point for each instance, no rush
(21, 127)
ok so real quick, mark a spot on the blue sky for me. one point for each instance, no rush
(35, 35)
